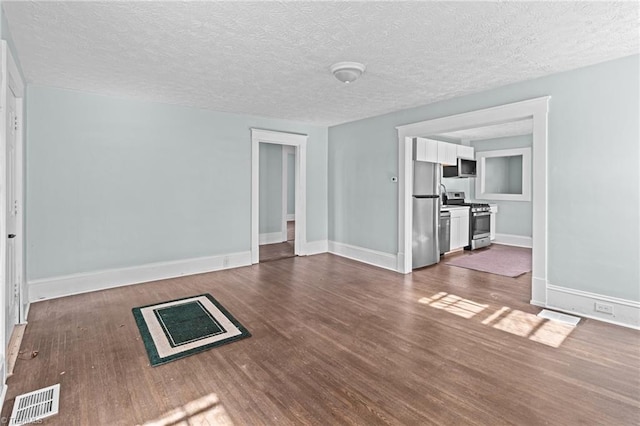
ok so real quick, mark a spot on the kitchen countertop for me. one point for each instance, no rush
(449, 207)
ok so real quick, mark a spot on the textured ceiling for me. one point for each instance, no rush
(272, 58)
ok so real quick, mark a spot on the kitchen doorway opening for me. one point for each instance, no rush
(534, 109)
(289, 239)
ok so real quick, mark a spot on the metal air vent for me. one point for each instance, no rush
(33, 406)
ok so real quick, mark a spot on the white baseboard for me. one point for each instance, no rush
(67, 285)
(361, 254)
(3, 392)
(538, 291)
(316, 247)
(400, 264)
(26, 313)
(625, 312)
(514, 240)
(291, 217)
(270, 238)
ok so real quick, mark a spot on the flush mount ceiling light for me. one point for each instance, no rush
(347, 72)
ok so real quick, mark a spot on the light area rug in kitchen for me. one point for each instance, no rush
(496, 259)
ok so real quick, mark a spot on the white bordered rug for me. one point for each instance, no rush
(179, 328)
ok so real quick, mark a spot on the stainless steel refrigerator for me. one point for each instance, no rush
(426, 214)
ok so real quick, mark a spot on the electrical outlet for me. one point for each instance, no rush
(604, 308)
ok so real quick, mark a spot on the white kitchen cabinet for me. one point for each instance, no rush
(465, 152)
(433, 151)
(459, 236)
(494, 211)
(447, 153)
(425, 150)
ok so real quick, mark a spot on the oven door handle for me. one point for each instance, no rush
(482, 214)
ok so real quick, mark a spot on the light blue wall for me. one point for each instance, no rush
(291, 184)
(270, 219)
(593, 158)
(114, 183)
(514, 217)
(362, 199)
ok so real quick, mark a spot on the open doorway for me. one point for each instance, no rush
(534, 109)
(272, 154)
(277, 202)
(490, 211)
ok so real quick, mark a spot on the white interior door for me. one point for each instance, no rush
(12, 290)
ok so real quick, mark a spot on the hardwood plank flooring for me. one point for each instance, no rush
(277, 251)
(269, 252)
(335, 342)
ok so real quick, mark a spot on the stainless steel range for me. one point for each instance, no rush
(479, 220)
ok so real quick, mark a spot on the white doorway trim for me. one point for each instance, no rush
(537, 109)
(299, 142)
(11, 84)
(286, 150)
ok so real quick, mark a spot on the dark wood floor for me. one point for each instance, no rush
(336, 342)
(269, 252)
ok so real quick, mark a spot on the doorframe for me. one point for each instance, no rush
(299, 142)
(538, 110)
(15, 84)
(286, 150)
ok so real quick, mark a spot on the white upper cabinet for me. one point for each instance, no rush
(447, 153)
(465, 152)
(425, 150)
(434, 151)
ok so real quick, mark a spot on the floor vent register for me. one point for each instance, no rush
(557, 316)
(33, 406)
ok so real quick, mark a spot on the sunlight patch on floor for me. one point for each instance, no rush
(203, 411)
(550, 333)
(518, 323)
(453, 304)
(513, 321)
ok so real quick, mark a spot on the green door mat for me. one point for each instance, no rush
(183, 327)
